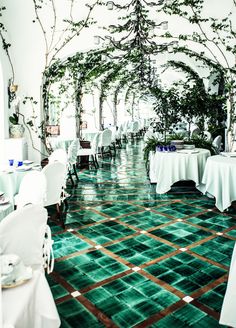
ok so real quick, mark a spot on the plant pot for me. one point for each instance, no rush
(16, 130)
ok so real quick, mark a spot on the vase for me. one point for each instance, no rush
(16, 130)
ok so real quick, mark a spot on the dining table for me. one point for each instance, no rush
(10, 180)
(58, 142)
(219, 179)
(29, 304)
(228, 314)
(166, 168)
(88, 135)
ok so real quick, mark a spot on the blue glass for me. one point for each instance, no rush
(11, 162)
(20, 163)
(165, 148)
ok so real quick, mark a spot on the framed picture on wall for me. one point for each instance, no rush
(84, 125)
(53, 130)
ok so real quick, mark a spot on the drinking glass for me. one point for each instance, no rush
(11, 162)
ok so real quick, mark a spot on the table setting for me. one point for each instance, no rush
(5, 206)
(218, 179)
(176, 162)
(13, 271)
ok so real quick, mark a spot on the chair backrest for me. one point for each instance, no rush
(72, 152)
(32, 189)
(55, 175)
(22, 233)
(105, 138)
(135, 126)
(217, 142)
(207, 135)
(58, 155)
(95, 142)
(195, 132)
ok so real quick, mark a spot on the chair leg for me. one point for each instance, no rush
(59, 214)
(94, 162)
(75, 172)
(95, 157)
(71, 178)
(110, 152)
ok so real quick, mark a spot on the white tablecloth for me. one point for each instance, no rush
(166, 168)
(30, 305)
(10, 183)
(88, 135)
(228, 313)
(219, 180)
(59, 143)
(5, 210)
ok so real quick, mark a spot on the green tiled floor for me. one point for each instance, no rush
(128, 257)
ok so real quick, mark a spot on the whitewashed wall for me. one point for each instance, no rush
(28, 49)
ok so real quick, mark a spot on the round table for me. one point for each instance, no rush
(166, 168)
(219, 180)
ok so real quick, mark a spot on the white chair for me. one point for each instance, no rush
(58, 155)
(91, 152)
(133, 129)
(216, 143)
(22, 233)
(72, 160)
(207, 135)
(105, 142)
(32, 189)
(195, 131)
(55, 177)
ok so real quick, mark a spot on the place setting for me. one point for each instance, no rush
(3, 200)
(13, 271)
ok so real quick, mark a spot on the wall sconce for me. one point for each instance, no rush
(12, 89)
(96, 39)
(164, 25)
(110, 5)
(172, 46)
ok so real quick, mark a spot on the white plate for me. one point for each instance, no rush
(4, 200)
(27, 161)
(188, 151)
(24, 168)
(228, 154)
(20, 280)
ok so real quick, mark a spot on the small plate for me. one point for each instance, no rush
(4, 200)
(228, 154)
(20, 281)
(24, 168)
(27, 161)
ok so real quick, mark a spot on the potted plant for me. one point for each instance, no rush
(16, 129)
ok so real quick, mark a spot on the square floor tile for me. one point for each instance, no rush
(185, 272)
(214, 221)
(145, 220)
(105, 232)
(140, 249)
(181, 233)
(219, 249)
(178, 210)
